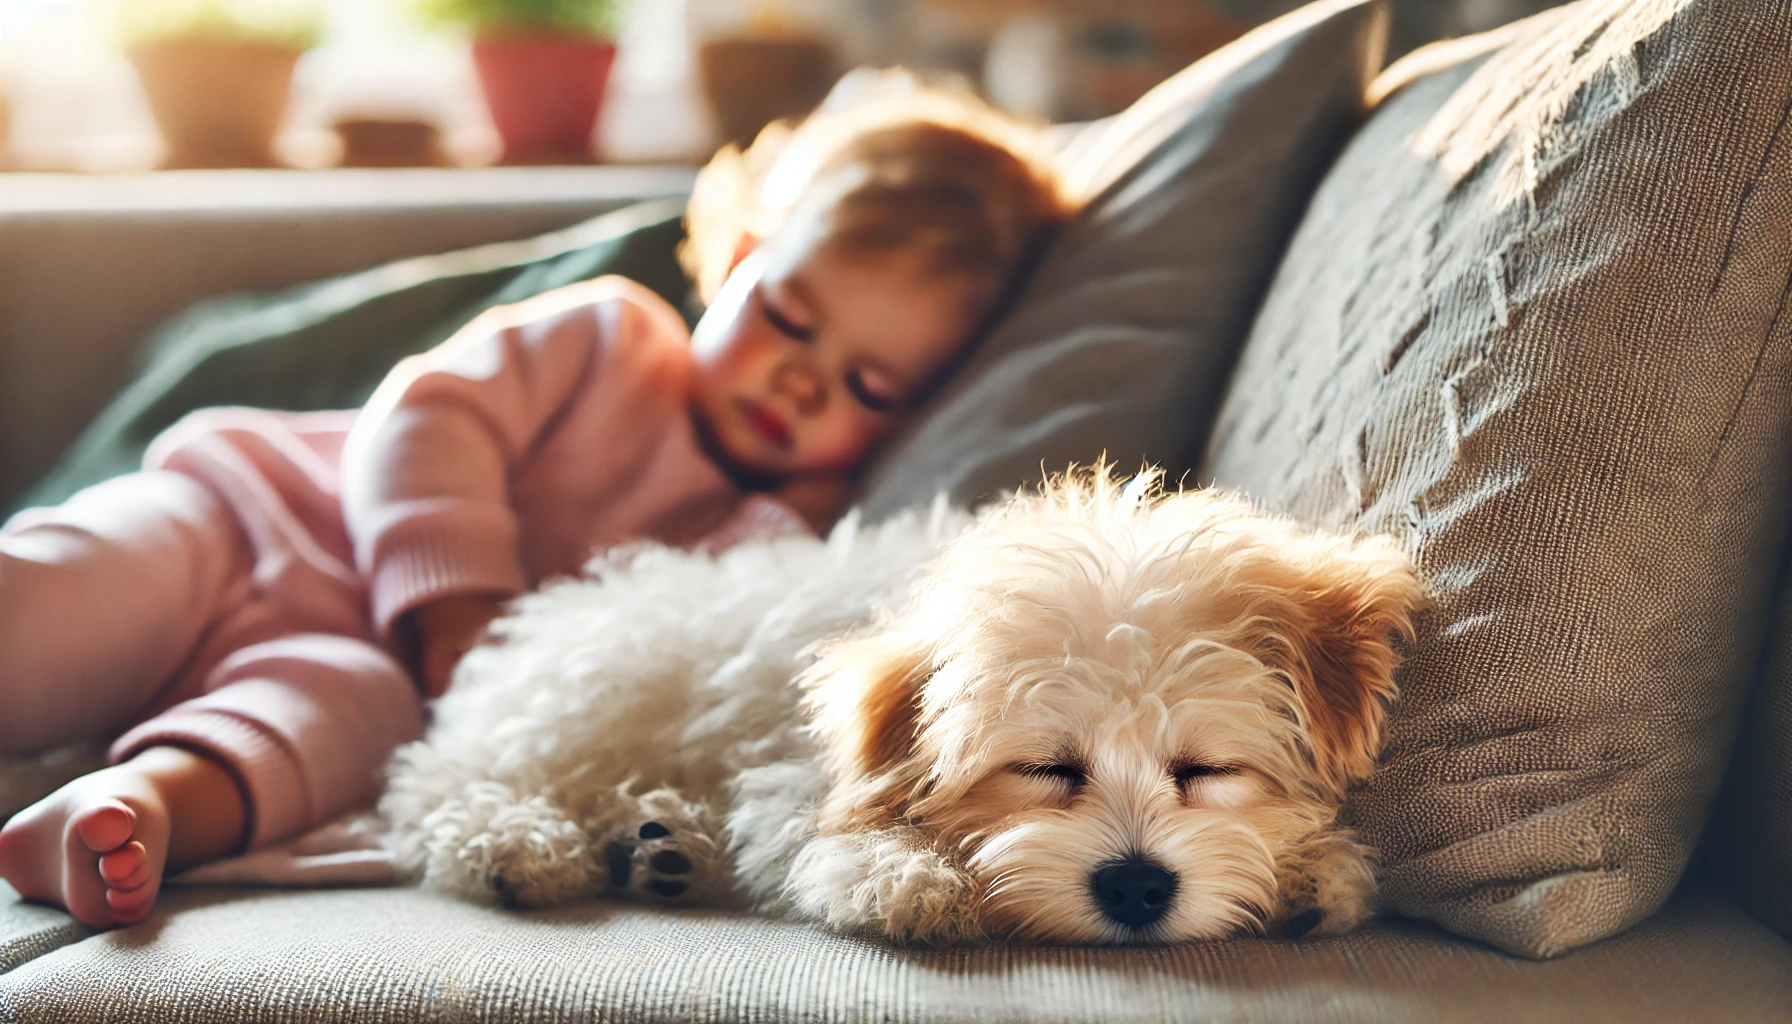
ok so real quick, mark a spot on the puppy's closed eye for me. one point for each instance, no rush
(1190, 773)
(1072, 775)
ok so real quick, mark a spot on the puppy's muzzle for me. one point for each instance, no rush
(1135, 892)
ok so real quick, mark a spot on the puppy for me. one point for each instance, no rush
(1097, 714)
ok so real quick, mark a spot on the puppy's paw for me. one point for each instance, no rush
(534, 857)
(1328, 888)
(649, 863)
(488, 842)
(884, 882)
(666, 851)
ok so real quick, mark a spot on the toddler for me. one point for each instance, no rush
(255, 619)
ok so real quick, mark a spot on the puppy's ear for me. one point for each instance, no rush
(1341, 658)
(863, 704)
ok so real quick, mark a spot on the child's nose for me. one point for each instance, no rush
(802, 386)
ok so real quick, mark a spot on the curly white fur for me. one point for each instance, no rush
(664, 672)
(1094, 676)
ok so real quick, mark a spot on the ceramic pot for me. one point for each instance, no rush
(217, 103)
(386, 142)
(544, 93)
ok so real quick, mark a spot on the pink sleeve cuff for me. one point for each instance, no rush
(421, 560)
(278, 802)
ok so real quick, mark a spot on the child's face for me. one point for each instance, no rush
(808, 356)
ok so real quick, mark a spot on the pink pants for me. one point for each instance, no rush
(148, 611)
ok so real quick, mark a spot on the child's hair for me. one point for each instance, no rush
(934, 176)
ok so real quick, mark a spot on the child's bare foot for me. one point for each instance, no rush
(96, 846)
(99, 845)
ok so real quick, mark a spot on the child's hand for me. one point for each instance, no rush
(446, 629)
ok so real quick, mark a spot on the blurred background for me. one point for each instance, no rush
(126, 85)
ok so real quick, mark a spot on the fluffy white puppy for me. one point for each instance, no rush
(1096, 714)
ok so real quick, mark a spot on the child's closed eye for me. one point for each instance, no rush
(873, 390)
(783, 321)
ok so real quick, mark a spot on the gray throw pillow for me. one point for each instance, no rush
(1122, 340)
(1536, 325)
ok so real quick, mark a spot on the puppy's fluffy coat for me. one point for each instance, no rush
(1096, 714)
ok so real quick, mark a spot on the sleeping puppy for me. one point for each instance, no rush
(1097, 714)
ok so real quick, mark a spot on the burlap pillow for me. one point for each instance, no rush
(1123, 339)
(1536, 325)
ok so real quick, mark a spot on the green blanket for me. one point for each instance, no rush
(327, 345)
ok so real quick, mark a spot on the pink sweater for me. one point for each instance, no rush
(544, 433)
(535, 438)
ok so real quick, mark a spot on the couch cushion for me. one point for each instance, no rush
(1122, 340)
(405, 955)
(1535, 325)
(28, 931)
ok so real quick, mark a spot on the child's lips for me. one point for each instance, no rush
(766, 424)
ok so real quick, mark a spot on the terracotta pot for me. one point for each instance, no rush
(217, 103)
(544, 93)
(383, 142)
(751, 82)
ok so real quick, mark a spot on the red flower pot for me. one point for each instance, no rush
(544, 92)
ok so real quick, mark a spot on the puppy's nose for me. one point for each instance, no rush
(1134, 893)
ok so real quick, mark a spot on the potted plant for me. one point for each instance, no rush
(217, 73)
(543, 66)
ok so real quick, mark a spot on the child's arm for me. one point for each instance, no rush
(426, 470)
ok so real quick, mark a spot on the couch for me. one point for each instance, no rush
(1648, 938)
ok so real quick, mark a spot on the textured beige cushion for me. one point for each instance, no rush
(403, 955)
(1535, 324)
(28, 931)
(1122, 340)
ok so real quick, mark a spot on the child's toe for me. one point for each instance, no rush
(105, 826)
(131, 903)
(126, 867)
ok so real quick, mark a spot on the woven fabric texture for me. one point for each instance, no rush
(1535, 325)
(28, 931)
(1123, 338)
(402, 955)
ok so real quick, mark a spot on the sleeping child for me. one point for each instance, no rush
(255, 620)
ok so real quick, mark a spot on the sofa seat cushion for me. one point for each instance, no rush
(28, 931)
(406, 955)
(1535, 325)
